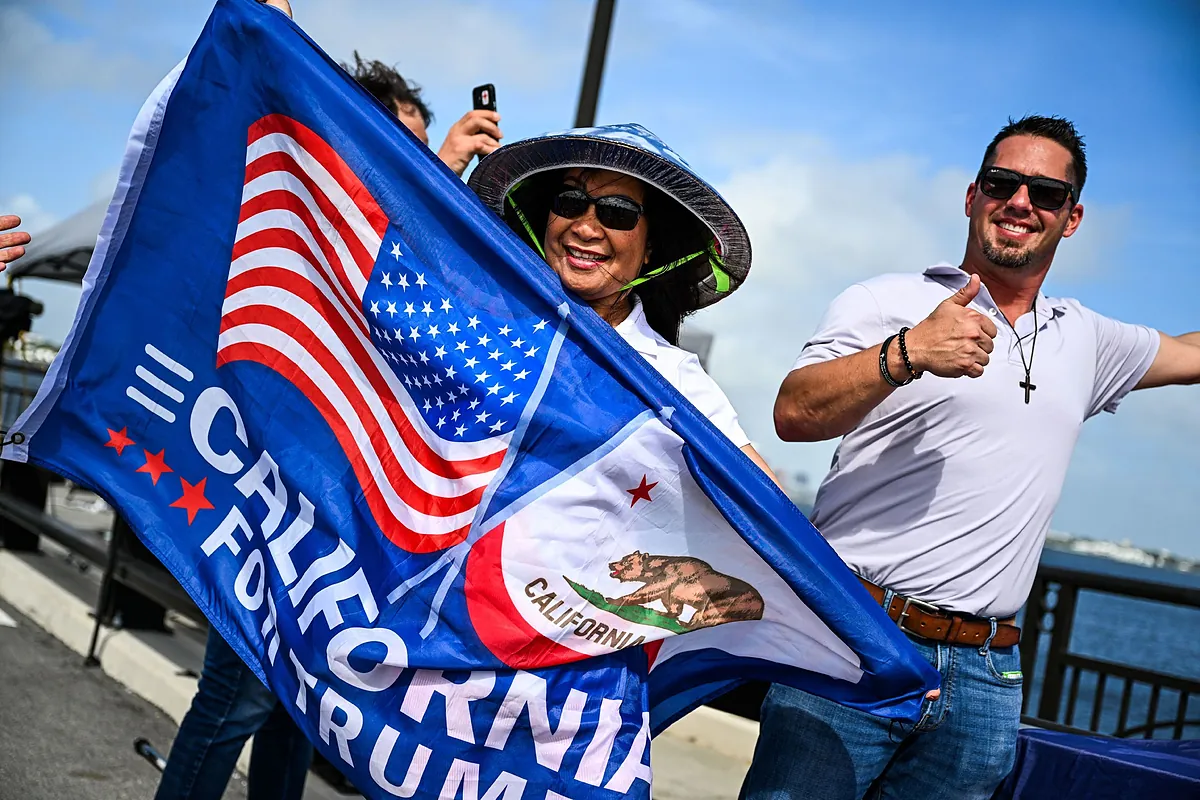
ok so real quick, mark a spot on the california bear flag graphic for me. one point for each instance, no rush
(628, 517)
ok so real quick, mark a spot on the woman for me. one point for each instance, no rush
(635, 234)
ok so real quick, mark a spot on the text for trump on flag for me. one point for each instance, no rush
(478, 546)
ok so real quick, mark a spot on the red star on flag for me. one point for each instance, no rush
(641, 492)
(155, 465)
(119, 440)
(193, 499)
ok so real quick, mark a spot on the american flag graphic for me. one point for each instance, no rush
(421, 395)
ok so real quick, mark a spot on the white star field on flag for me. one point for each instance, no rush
(450, 359)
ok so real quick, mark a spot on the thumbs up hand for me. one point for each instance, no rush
(954, 340)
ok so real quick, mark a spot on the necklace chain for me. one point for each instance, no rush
(1027, 384)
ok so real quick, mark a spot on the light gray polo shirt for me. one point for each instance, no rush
(945, 491)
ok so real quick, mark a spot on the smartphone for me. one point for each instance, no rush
(484, 97)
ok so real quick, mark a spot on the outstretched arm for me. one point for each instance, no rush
(1177, 362)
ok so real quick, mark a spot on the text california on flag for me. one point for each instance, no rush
(472, 540)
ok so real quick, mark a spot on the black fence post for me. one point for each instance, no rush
(1031, 635)
(137, 610)
(1060, 642)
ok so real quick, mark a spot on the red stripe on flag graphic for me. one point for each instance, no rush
(308, 236)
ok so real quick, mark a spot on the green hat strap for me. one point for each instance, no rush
(715, 262)
(528, 228)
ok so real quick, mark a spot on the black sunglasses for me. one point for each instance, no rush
(614, 211)
(1047, 193)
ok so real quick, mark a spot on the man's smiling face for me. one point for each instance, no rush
(1014, 233)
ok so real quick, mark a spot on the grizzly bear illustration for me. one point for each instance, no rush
(680, 581)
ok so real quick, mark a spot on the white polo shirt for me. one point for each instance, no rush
(683, 371)
(945, 491)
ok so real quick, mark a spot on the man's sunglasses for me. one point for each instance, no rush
(614, 211)
(1047, 193)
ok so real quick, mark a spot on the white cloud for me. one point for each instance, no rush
(102, 186)
(35, 56)
(453, 42)
(1143, 462)
(458, 42)
(819, 222)
(34, 218)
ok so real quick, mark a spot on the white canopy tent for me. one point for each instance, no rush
(62, 252)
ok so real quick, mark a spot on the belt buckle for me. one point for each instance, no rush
(926, 607)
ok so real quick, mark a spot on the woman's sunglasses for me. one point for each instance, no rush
(614, 211)
(1047, 193)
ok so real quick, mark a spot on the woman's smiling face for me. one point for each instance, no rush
(593, 261)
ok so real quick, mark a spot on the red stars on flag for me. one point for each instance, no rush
(192, 500)
(641, 492)
(119, 440)
(156, 465)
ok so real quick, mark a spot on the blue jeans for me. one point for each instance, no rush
(964, 745)
(230, 706)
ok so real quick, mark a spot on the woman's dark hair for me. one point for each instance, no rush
(673, 233)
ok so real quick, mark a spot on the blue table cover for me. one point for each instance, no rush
(1059, 766)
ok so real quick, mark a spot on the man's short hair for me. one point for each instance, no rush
(1056, 129)
(388, 86)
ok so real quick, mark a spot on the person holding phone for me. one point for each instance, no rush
(477, 133)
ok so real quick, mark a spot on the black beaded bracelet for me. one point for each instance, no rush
(883, 365)
(904, 354)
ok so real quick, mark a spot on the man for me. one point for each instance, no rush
(476, 134)
(231, 704)
(959, 393)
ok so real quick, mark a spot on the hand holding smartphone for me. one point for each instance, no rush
(476, 134)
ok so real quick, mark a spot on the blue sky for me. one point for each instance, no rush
(844, 133)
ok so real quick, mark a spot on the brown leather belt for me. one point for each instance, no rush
(929, 622)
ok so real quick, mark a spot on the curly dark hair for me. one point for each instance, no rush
(673, 233)
(388, 86)
(1056, 129)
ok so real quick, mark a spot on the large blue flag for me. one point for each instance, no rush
(473, 540)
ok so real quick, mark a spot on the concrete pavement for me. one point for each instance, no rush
(66, 730)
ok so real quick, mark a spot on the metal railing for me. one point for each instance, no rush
(1094, 695)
